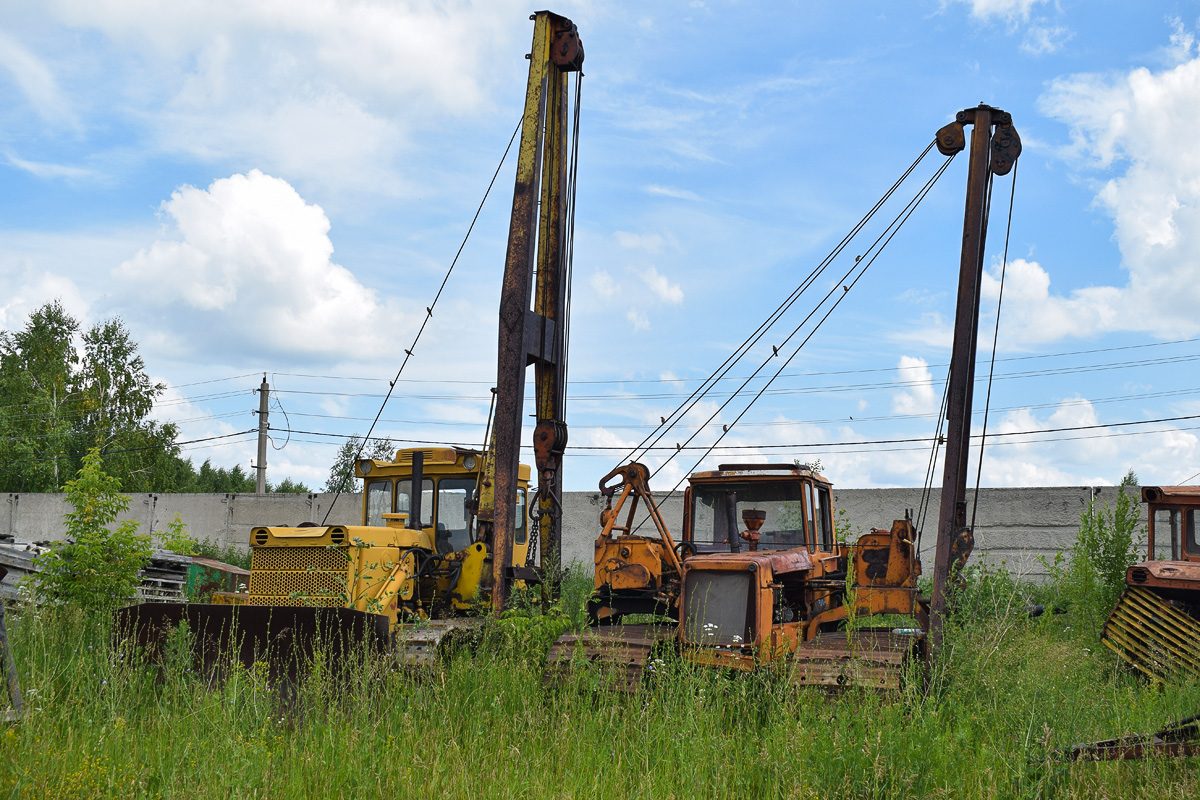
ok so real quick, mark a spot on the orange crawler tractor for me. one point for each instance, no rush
(756, 579)
(1156, 625)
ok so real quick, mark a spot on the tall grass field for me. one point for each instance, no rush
(1006, 693)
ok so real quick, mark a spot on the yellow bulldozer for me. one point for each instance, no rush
(414, 570)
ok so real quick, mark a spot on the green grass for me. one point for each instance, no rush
(1007, 692)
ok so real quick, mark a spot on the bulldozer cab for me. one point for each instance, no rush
(448, 491)
(790, 504)
(1174, 516)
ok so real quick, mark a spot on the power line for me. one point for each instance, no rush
(614, 381)
(794, 445)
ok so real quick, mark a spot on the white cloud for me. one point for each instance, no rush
(1136, 130)
(919, 399)
(662, 287)
(1041, 34)
(321, 89)
(638, 319)
(1008, 10)
(1041, 39)
(603, 284)
(670, 191)
(251, 263)
(648, 242)
(44, 170)
(35, 80)
(28, 289)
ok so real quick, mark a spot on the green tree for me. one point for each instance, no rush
(37, 368)
(96, 568)
(341, 473)
(116, 397)
(288, 486)
(66, 392)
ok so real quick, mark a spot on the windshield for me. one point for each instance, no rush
(453, 515)
(780, 500)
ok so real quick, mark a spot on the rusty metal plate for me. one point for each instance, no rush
(625, 649)
(871, 659)
(282, 637)
(1153, 636)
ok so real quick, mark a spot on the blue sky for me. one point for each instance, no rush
(279, 187)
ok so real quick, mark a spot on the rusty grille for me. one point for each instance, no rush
(294, 576)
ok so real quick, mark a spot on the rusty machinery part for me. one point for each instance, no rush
(537, 270)
(285, 638)
(1180, 740)
(535, 535)
(994, 148)
(1154, 636)
(635, 482)
(549, 443)
(754, 520)
(877, 659)
(623, 650)
(566, 49)
(423, 644)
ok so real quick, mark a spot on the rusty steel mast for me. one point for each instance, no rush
(538, 242)
(995, 147)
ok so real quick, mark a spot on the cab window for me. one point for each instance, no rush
(379, 501)
(519, 527)
(825, 512)
(781, 500)
(1191, 541)
(404, 500)
(454, 520)
(1166, 534)
(810, 518)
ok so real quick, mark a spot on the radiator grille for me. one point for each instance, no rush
(298, 576)
(322, 559)
(716, 608)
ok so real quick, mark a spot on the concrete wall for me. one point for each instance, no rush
(1014, 526)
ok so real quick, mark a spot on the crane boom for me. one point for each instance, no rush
(538, 235)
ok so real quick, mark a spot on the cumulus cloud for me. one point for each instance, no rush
(27, 290)
(251, 264)
(334, 83)
(663, 288)
(919, 398)
(1135, 133)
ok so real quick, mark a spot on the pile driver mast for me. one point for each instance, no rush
(539, 240)
(995, 147)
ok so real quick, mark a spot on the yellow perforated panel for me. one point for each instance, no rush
(268, 600)
(323, 559)
(297, 576)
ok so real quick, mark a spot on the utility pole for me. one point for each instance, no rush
(990, 153)
(264, 393)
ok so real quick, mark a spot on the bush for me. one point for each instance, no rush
(1090, 577)
(96, 568)
(177, 540)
